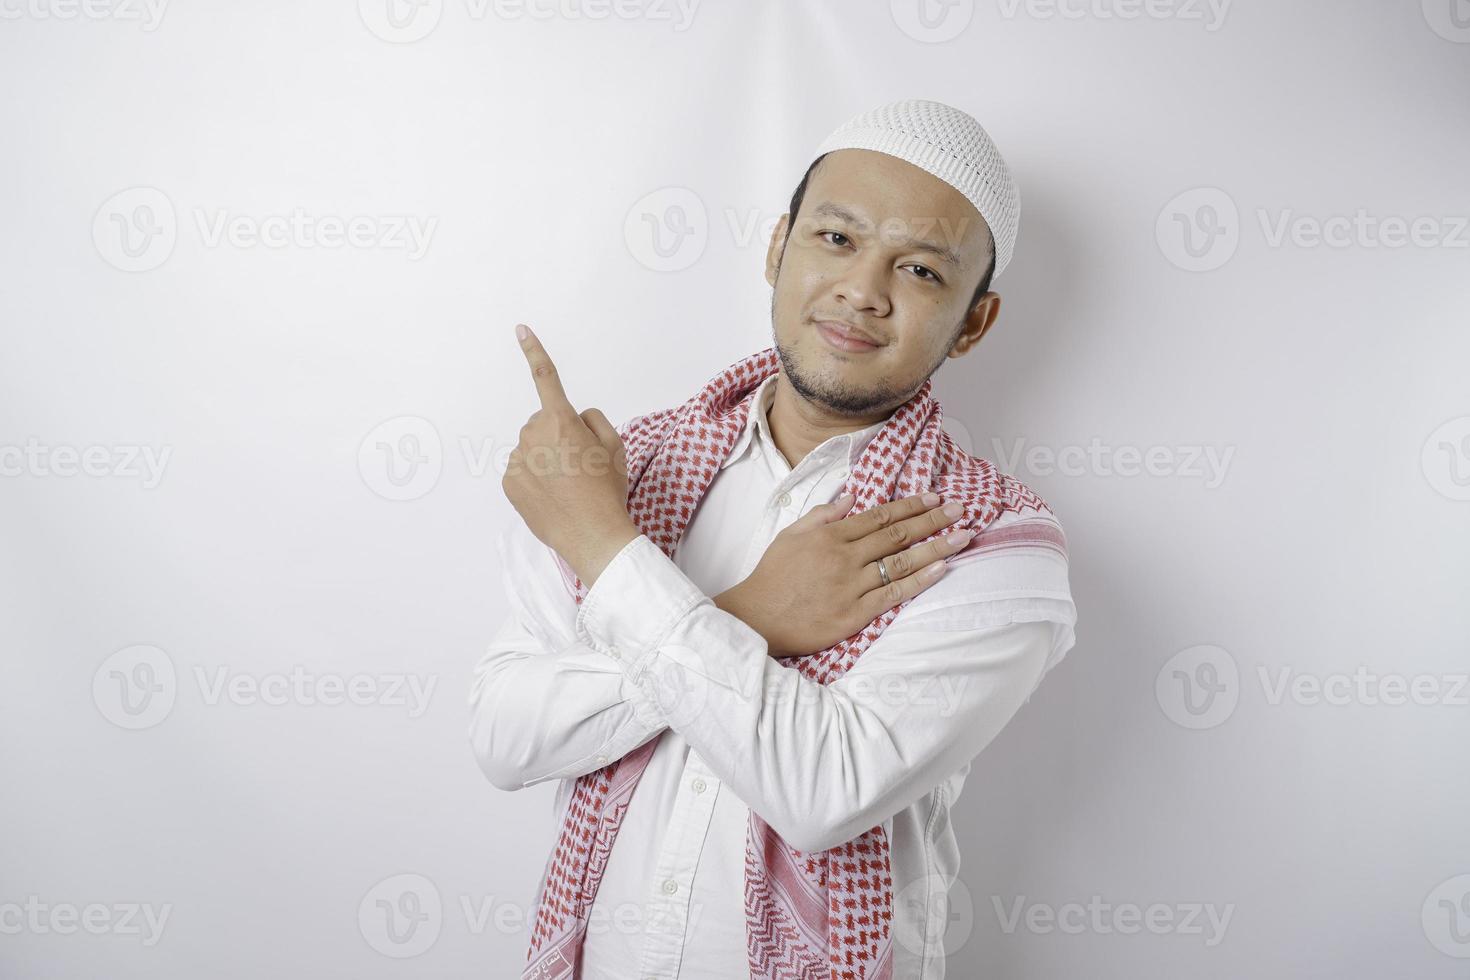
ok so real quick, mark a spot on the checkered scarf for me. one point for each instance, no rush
(810, 915)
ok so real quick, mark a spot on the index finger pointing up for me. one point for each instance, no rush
(543, 372)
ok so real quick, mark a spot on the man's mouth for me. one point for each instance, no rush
(844, 337)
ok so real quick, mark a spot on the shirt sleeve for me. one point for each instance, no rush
(824, 763)
(544, 705)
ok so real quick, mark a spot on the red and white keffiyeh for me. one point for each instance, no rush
(822, 915)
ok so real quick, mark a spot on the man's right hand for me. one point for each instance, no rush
(818, 582)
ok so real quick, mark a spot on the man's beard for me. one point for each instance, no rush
(846, 399)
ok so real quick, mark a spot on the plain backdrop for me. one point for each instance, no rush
(259, 269)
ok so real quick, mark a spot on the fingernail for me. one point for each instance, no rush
(935, 570)
(953, 509)
(521, 331)
(960, 537)
(930, 499)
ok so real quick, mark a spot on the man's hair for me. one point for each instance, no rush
(795, 207)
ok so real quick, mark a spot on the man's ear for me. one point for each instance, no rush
(977, 322)
(775, 248)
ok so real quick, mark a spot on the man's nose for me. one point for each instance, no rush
(864, 285)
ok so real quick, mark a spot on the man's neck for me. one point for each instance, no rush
(798, 426)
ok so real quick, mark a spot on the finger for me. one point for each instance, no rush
(913, 559)
(599, 424)
(543, 371)
(607, 433)
(877, 602)
(826, 513)
(887, 514)
(890, 539)
(861, 525)
(837, 509)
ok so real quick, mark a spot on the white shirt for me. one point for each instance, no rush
(564, 690)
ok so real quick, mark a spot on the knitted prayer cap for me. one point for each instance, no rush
(949, 144)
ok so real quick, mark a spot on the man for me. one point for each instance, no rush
(761, 699)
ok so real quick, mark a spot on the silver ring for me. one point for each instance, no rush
(883, 572)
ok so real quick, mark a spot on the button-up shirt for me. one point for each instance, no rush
(563, 690)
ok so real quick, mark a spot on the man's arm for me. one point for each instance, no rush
(543, 704)
(821, 764)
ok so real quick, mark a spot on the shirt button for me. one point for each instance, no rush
(602, 760)
(698, 785)
(784, 500)
(670, 885)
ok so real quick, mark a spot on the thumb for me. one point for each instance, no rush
(829, 513)
(607, 434)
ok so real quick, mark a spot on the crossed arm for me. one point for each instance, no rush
(564, 690)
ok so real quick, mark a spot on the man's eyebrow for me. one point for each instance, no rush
(919, 244)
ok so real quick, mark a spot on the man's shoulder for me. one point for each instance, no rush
(1013, 571)
(1024, 523)
(1011, 515)
(1015, 567)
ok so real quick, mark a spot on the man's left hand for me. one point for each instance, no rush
(568, 476)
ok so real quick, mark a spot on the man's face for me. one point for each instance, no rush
(890, 251)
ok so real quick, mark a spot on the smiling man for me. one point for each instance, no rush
(894, 314)
(760, 636)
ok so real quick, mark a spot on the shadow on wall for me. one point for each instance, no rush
(1024, 356)
(1039, 785)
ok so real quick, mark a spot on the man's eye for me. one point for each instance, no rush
(837, 233)
(929, 273)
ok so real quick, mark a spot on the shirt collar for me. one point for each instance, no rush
(757, 423)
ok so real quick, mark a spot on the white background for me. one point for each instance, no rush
(539, 151)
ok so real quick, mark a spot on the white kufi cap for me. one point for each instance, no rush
(949, 144)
